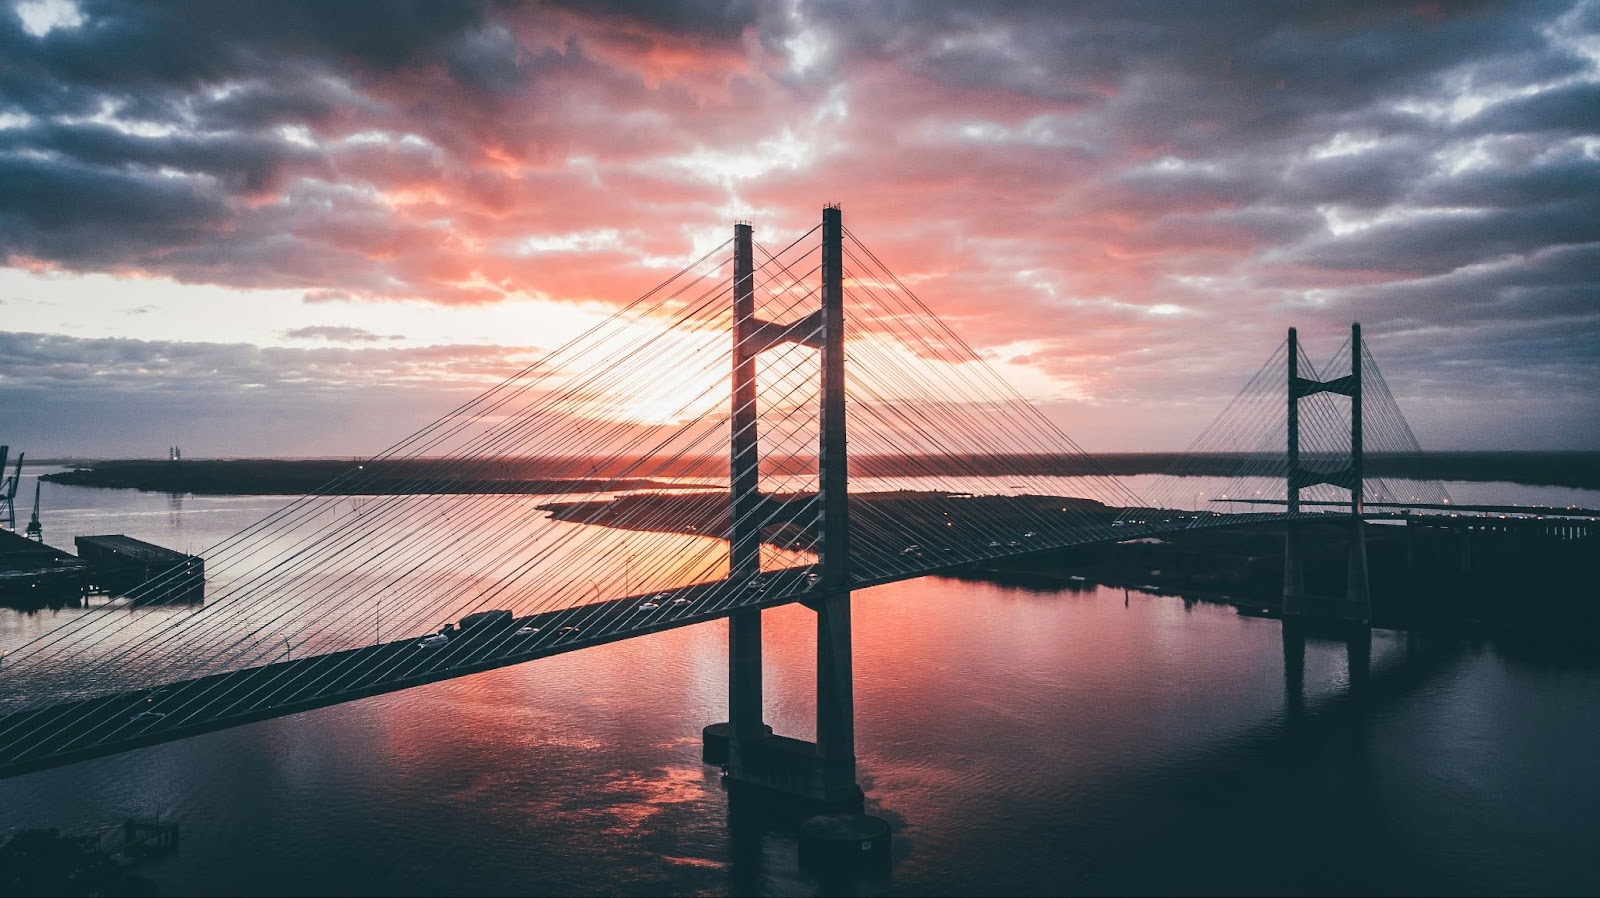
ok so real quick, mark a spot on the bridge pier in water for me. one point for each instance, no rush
(1355, 606)
(822, 773)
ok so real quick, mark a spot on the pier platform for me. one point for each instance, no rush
(33, 575)
(123, 565)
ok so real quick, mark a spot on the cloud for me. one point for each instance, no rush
(114, 396)
(1059, 177)
(49, 361)
(337, 334)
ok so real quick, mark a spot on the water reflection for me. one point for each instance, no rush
(1021, 738)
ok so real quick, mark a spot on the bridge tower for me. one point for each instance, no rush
(824, 772)
(1356, 604)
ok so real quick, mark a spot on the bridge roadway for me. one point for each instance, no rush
(72, 731)
(63, 733)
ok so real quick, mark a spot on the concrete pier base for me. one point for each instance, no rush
(844, 843)
(784, 769)
(714, 742)
(1334, 610)
(1354, 607)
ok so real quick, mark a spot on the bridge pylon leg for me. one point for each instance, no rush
(1358, 587)
(732, 742)
(836, 726)
(1294, 572)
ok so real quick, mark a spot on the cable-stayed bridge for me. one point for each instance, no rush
(706, 477)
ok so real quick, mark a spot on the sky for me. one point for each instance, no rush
(306, 228)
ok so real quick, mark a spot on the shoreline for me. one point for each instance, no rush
(240, 477)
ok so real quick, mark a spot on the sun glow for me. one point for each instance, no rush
(665, 378)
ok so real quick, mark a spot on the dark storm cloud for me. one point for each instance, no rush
(1573, 109)
(63, 210)
(162, 114)
(1552, 288)
(1434, 168)
(721, 18)
(241, 164)
(1431, 243)
(188, 43)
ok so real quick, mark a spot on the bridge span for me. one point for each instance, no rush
(537, 599)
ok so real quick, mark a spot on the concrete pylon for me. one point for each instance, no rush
(1358, 588)
(821, 773)
(1356, 604)
(745, 725)
(836, 729)
(1294, 572)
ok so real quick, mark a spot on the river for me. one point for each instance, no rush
(1020, 740)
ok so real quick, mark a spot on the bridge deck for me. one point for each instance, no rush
(71, 731)
(75, 731)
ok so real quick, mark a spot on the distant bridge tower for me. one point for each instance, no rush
(824, 772)
(1356, 604)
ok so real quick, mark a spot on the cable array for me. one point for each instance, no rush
(949, 464)
(586, 498)
(327, 575)
(1237, 469)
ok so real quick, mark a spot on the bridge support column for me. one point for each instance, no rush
(1358, 585)
(745, 726)
(836, 706)
(820, 774)
(836, 727)
(729, 743)
(1294, 572)
(1358, 589)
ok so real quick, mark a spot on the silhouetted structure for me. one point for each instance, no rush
(1356, 604)
(153, 574)
(825, 771)
(230, 663)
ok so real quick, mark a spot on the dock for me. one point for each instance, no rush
(34, 575)
(125, 566)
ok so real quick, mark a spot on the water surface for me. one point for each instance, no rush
(1021, 740)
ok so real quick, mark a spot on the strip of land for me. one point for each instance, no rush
(1579, 470)
(298, 477)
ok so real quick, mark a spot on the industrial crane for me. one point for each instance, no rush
(35, 529)
(8, 490)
